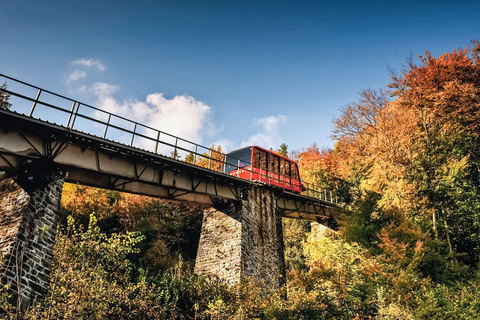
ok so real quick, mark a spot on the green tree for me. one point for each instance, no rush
(4, 97)
(283, 150)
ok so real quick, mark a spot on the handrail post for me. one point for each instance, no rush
(35, 102)
(210, 160)
(108, 123)
(175, 155)
(156, 143)
(133, 134)
(71, 113)
(75, 115)
(224, 159)
(195, 155)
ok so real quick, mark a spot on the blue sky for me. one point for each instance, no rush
(228, 72)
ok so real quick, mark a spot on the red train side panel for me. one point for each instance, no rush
(258, 164)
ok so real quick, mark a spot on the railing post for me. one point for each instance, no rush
(71, 113)
(108, 123)
(133, 134)
(75, 115)
(35, 102)
(195, 155)
(331, 199)
(175, 155)
(156, 143)
(210, 160)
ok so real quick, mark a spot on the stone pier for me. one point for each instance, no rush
(244, 240)
(29, 203)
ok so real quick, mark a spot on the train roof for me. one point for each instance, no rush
(257, 147)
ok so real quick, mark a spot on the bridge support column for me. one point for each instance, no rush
(322, 228)
(29, 203)
(244, 240)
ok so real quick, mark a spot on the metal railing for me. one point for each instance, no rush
(105, 124)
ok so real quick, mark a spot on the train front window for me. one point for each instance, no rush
(237, 159)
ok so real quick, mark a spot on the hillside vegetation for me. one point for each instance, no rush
(406, 165)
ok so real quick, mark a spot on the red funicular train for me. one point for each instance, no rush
(257, 164)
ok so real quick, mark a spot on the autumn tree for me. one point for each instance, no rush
(417, 147)
(283, 150)
(171, 229)
(211, 159)
(443, 93)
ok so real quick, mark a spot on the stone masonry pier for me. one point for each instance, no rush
(29, 203)
(243, 240)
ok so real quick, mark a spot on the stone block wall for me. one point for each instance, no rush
(219, 251)
(244, 239)
(318, 231)
(29, 203)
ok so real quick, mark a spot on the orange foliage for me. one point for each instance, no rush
(84, 200)
(318, 166)
(211, 159)
(380, 140)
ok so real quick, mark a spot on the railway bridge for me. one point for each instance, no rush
(47, 139)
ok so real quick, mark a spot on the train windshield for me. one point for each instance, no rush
(237, 159)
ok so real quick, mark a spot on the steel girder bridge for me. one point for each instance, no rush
(101, 149)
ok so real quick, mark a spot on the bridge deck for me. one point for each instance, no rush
(100, 162)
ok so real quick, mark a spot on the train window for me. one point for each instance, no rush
(256, 158)
(273, 163)
(294, 171)
(263, 159)
(287, 169)
(240, 158)
(276, 164)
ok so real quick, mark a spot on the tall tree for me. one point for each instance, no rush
(283, 150)
(4, 97)
(444, 94)
(418, 147)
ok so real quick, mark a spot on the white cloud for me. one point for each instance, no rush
(80, 72)
(76, 75)
(104, 90)
(269, 135)
(182, 116)
(90, 63)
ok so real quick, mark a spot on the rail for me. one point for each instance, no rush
(75, 115)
